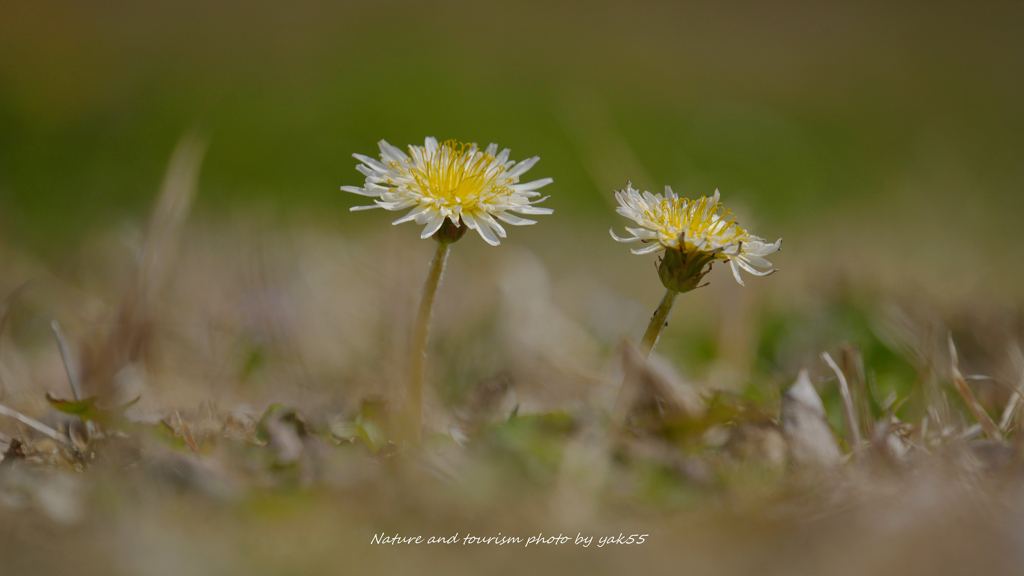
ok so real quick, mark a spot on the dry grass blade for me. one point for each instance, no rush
(851, 362)
(632, 364)
(991, 430)
(172, 207)
(36, 424)
(3, 324)
(849, 413)
(65, 355)
(10, 302)
(186, 434)
(1011, 407)
(130, 336)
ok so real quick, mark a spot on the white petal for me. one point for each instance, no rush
(431, 145)
(371, 162)
(491, 149)
(755, 260)
(489, 221)
(398, 205)
(736, 271)
(732, 249)
(485, 231)
(751, 269)
(390, 153)
(488, 235)
(412, 214)
(523, 166)
(374, 187)
(358, 208)
(642, 233)
(426, 217)
(623, 240)
(433, 225)
(654, 247)
(632, 215)
(762, 249)
(528, 186)
(360, 191)
(535, 210)
(513, 219)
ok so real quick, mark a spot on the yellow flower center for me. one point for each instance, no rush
(457, 173)
(695, 218)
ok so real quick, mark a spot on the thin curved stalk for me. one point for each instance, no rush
(5, 411)
(658, 322)
(421, 332)
(626, 390)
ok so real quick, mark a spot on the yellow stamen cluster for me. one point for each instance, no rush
(457, 173)
(695, 218)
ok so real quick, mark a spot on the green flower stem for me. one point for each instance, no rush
(658, 322)
(414, 399)
(627, 389)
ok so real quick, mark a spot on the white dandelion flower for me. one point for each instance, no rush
(697, 229)
(452, 181)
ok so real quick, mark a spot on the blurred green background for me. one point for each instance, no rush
(795, 110)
